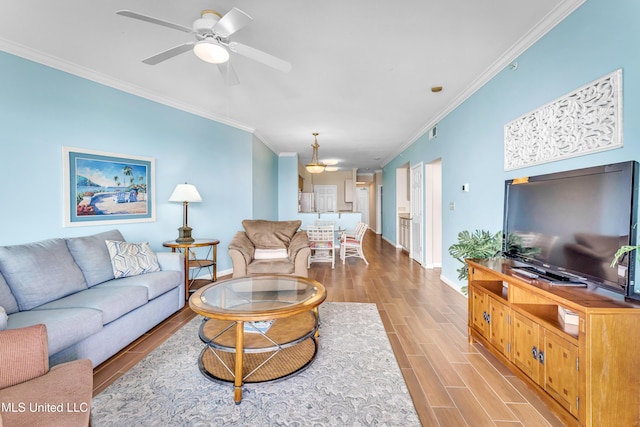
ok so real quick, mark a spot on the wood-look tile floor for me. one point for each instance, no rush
(451, 382)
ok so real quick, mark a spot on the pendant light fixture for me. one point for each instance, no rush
(315, 166)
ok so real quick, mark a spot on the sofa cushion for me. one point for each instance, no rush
(155, 284)
(131, 259)
(6, 297)
(112, 302)
(270, 234)
(40, 272)
(92, 256)
(3, 318)
(270, 266)
(65, 327)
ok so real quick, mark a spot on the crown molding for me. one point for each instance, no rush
(92, 75)
(264, 140)
(553, 18)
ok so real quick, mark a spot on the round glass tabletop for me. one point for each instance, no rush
(246, 298)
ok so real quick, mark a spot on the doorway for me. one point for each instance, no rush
(433, 214)
(362, 194)
(379, 210)
(326, 198)
(417, 190)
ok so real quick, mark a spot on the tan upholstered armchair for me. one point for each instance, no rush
(31, 394)
(270, 247)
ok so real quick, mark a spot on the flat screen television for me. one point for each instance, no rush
(565, 227)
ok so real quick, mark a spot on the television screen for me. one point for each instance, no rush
(570, 224)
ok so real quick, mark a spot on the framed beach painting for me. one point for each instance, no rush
(107, 188)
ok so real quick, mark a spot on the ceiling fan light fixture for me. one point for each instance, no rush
(210, 51)
(315, 166)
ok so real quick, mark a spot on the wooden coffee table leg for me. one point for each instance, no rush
(237, 391)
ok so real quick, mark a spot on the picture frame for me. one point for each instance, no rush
(107, 188)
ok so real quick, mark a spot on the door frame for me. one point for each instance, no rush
(433, 214)
(416, 249)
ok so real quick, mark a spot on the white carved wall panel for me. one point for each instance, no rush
(585, 121)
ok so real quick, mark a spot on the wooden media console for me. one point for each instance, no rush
(589, 372)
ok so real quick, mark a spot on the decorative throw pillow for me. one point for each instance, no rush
(270, 234)
(270, 254)
(131, 259)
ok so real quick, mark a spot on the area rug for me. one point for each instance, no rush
(354, 381)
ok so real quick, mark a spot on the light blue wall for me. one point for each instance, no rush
(265, 182)
(598, 38)
(43, 109)
(287, 187)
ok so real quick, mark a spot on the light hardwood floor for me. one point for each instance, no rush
(451, 382)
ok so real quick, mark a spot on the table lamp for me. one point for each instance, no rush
(185, 193)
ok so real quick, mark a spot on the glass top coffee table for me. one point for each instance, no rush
(257, 329)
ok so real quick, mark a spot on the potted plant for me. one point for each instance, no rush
(479, 244)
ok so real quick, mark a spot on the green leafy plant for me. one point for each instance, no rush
(479, 244)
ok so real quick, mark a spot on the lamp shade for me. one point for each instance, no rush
(315, 168)
(185, 193)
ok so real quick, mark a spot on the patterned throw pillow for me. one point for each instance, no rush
(131, 259)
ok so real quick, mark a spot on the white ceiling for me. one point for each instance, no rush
(362, 69)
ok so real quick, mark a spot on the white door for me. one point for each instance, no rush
(379, 210)
(363, 203)
(326, 198)
(433, 214)
(416, 212)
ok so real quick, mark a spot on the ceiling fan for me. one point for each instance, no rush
(212, 32)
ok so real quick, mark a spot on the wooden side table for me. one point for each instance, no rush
(194, 265)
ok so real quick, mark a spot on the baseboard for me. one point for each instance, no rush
(227, 272)
(454, 285)
(219, 273)
(389, 241)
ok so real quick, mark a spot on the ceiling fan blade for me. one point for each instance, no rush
(152, 20)
(169, 53)
(228, 74)
(231, 22)
(260, 56)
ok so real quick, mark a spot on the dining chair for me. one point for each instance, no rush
(351, 243)
(321, 244)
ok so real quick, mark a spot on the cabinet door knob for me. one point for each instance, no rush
(541, 357)
(534, 352)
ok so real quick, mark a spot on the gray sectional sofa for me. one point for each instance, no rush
(69, 285)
